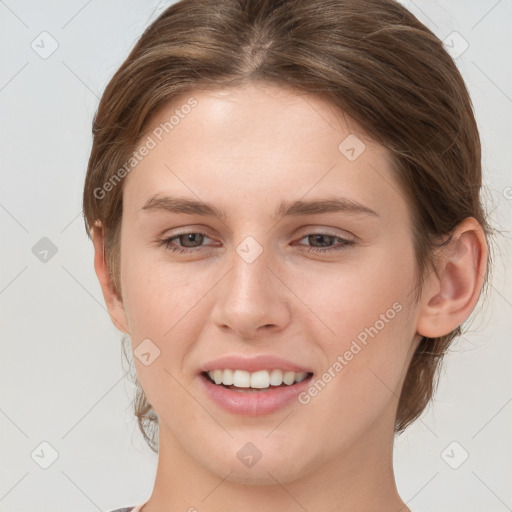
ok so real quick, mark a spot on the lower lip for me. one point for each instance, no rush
(254, 403)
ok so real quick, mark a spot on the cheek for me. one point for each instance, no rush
(163, 304)
(366, 326)
(158, 294)
(355, 299)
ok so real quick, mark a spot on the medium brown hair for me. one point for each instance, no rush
(371, 59)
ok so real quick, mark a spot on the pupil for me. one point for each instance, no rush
(319, 238)
(190, 238)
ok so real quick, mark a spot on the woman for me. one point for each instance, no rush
(284, 203)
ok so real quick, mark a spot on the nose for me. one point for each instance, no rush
(252, 301)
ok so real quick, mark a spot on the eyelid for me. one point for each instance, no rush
(341, 233)
(184, 230)
(342, 244)
(308, 230)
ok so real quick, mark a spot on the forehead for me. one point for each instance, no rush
(257, 142)
(253, 111)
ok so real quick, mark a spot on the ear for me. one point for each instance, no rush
(112, 298)
(451, 292)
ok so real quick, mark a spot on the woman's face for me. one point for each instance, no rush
(302, 261)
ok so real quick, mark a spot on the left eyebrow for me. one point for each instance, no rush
(332, 205)
(286, 209)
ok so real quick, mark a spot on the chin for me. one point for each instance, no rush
(259, 462)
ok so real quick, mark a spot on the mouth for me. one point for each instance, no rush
(261, 380)
(254, 393)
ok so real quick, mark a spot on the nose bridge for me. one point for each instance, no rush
(250, 296)
(250, 275)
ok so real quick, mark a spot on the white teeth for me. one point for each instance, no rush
(289, 378)
(228, 378)
(276, 378)
(241, 379)
(299, 377)
(218, 376)
(258, 380)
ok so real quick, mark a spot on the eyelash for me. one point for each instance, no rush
(167, 242)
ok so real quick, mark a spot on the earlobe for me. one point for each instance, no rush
(451, 292)
(112, 299)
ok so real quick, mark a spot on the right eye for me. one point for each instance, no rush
(184, 239)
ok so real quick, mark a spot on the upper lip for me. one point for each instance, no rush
(253, 364)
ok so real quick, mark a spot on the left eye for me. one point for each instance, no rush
(191, 242)
(322, 238)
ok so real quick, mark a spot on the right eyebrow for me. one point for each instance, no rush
(183, 205)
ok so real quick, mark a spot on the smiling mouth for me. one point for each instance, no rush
(262, 380)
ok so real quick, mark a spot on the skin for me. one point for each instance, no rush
(246, 150)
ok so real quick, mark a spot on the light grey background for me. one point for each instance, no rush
(61, 378)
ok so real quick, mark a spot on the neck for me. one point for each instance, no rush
(358, 479)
